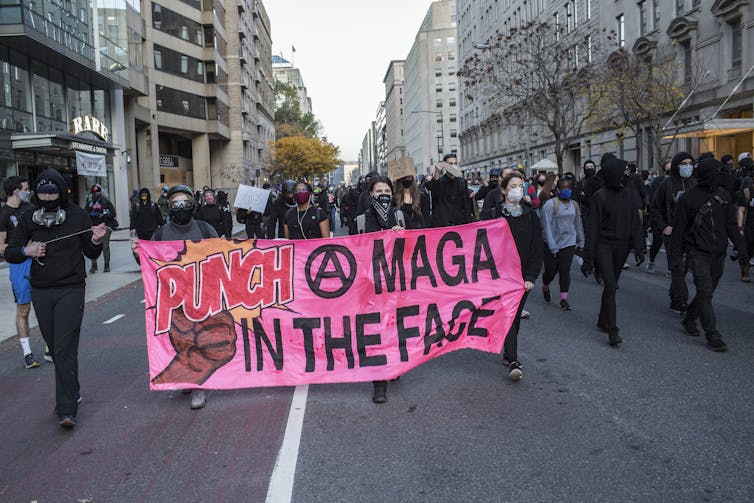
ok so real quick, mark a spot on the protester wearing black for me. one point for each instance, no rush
(145, 216)
(224, 204)
(614, 227)
(214, 215)
(492, 184)
(657, 235)
(704, 221)
(745, 221)
(255, 222)
(527, 233)
(662, 210)
(349, 204)
(449, 195)
(364, 197)
(101, 210)
(305, 221)
(58, 234)
(412, 202)
(380, 216)
(279, 210)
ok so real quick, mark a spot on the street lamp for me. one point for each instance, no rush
(441, 138)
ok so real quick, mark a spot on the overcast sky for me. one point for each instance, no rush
(343, 48)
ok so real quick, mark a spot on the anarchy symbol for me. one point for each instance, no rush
(333, 254)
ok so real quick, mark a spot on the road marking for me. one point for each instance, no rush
(113, 319)
(280, 489)
(142, 301)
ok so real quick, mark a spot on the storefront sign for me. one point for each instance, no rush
(169, 161)
(91, 124)
(91, 164)
(83, 147)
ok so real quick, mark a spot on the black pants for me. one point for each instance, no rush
(559, 265)
(679, 291)
(749, 238)
(657, 242)
(610, 260)
(510, 350)
(707, 271)
(254, 231)
(59, 312)
(105, 250)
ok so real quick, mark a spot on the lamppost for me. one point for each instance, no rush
(440, 138)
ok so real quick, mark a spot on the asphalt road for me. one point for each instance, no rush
(661, 418)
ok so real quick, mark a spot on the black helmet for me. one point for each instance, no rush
(185, 189)
(288, 187)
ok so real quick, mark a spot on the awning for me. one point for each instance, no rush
(59, 143)
(716, 127)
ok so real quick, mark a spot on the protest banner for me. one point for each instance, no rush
(251, 198)
(236, 314)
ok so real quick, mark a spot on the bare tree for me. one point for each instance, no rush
(540, 76)
(645, 93)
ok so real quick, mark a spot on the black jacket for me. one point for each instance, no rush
(613, 219)
(450, 201)
(527, 233)
(714, 241)
(218, 218)
(666, 196)
(64, 261)
(145, 216)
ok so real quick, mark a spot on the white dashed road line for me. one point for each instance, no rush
(113, 319)
(280, 489)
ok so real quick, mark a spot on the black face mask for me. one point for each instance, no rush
(541, 183)
(493, 184)
(181, 216)
(589, 172)
(407, 183)
(50, 205)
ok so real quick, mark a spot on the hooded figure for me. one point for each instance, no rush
(702, 226)
(214, 215)
(279, 208)
(145, 216)
(614, 227)
(58, 234)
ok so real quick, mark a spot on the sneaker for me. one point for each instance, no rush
(613, 338)
(107, 268)
(380, 392)
(92, 270)
(668, 274)
(515, 372)
(48, 355)
(650, 268)
(198, 398)
(564, 305)
(525, 315)
(626, 266)
(67, 421)
(30, 362)
(546, 295)
(717, 344)
(678, 308)
(689, 326)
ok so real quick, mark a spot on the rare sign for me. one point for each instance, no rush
(225, 314)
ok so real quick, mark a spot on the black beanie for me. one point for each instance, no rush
(706, 171)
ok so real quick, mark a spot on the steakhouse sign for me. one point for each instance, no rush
(237, 314)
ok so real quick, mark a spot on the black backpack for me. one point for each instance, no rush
(703, 231)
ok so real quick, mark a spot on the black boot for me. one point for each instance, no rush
(380, 389)
(613, 337)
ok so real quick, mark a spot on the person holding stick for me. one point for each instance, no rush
(57, 234)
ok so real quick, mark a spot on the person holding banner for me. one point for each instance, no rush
(305, 221)
(527, 233)
(182, 227)
(57, 234)
(413, 204)
(380, 216)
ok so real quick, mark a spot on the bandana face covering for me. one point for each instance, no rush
(381, 204)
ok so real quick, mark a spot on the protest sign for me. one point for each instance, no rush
(223, 314)
(251, 198)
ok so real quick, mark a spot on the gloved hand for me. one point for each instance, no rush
(587, 268)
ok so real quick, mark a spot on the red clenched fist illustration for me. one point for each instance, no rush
(201, 348)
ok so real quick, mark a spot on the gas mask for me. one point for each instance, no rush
(48, 218)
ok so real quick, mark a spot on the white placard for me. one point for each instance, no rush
(251, 198)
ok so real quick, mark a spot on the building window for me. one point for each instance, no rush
(621, 27)
(656, 14)
(438, 103)
(451, 41)
(451, 86)
(588, 7)
(643, 26)
(557, 26)
(452, 102)
(687, 60)
(569, 18)
(174, 24)
(438, 72)
(438, 85)
(452, 56)
(453, 133)
(453, 118)
(437, 44)
(438, 57)
(451, 70)
(679, 7)
(735, 44)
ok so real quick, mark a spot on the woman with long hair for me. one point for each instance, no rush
(413, 203)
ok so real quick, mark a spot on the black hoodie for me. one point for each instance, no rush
(613, 219)
(63, 264)
(662, 207)
(715, 227)
(145, 216)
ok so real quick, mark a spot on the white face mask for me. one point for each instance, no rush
(686, 170)
(24, 196)
(515, 194)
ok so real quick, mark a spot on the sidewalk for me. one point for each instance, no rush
(123, 267)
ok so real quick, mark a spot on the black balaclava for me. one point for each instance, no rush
(49, 181)
(613, 171)
(710, 173)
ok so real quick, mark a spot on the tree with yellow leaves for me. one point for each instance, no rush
(302, 156)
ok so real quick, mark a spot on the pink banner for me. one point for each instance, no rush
(238, 314)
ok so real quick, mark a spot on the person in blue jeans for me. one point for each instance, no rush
(562, 232)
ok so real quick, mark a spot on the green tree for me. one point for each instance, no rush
(289, 120)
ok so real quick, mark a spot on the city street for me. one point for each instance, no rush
(660, 418)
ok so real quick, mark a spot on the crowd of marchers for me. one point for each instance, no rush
(694, 208)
